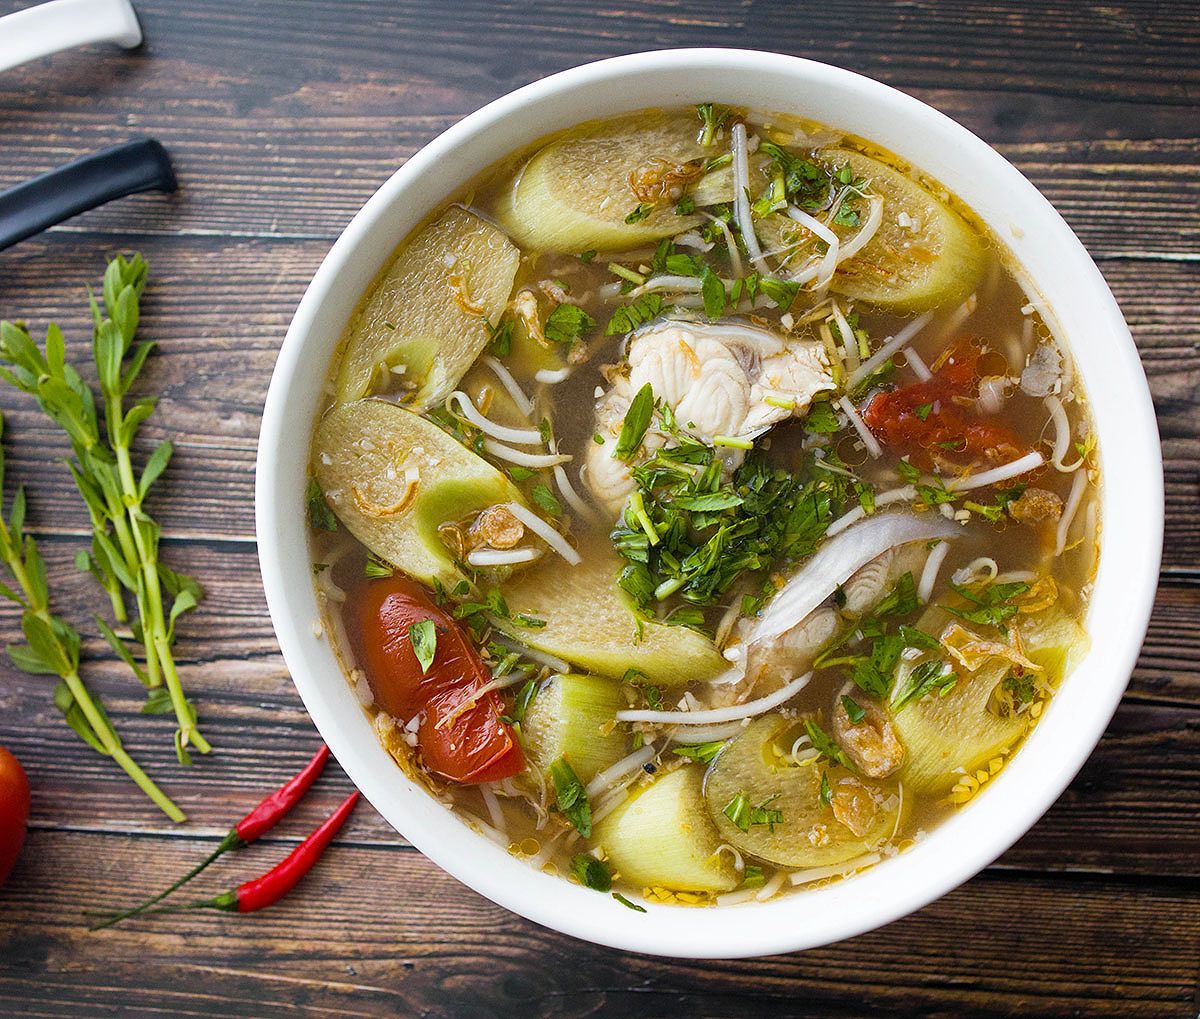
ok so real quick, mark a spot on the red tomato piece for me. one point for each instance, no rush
(928, 420)
(461, 736)
(14, 811)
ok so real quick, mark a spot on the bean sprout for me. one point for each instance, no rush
(1069, 511)
(729, 714)
(544, 531)
(523, 436)
(933, 564)
(524, 404)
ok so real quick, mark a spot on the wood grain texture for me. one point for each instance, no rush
(283, 116)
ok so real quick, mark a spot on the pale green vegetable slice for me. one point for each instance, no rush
(662, 837)
(936, 259)
(363, 455)
(942, 734)
(959, 731)
(428, 311)
(573, 716)
(590, 623)
(756, 765)
(574, 194)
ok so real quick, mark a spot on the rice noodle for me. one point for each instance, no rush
(810, 874)
(890, 346)
(825, 268)
(523, 436)
(735, 897)
(1069, 511)
(735, 256)
(933, 564)
(552, 376)
(513, 387)
(838, 559)
(860, 426)
(853, 516)
(544, 531)
(516, 456)
(1062, 436)
(502, 557)
(625, 766)
(741, 201)
(735, 711)
(1004, 472)
(772, 886)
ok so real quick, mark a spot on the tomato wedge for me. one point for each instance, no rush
(929, 422)
(461, 736)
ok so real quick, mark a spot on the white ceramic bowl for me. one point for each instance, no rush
(1082, 310)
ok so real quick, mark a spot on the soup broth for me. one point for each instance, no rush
(702, 509)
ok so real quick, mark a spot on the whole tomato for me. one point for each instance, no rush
(14, 811)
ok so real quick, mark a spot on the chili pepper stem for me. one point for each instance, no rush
(230, 841)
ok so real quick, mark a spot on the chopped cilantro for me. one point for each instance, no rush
(923, 411)
(826, 745)
(712, 290)
(701, 752)
(376, 568)
(628, 317)
(927, 678)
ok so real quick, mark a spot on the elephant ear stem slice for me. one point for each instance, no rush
(425, 320)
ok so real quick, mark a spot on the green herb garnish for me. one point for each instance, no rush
(744, 816)
(567, 323)
(592, 873)
(571, 796)
(423, 637)
(701, 752)
(637, 420)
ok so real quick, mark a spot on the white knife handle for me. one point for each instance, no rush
(62, 24)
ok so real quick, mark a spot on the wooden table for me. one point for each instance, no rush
(282, 118)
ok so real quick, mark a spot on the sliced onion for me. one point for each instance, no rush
(544, 531)
(889, 347)
(524, 404)
(837, 560)
(997, 474)
(709, 716)
(625, 766)
(523, 436)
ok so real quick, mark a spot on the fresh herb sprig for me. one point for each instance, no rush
(51, 648)
(125, 538)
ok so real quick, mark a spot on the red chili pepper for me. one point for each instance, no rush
(264, 891)
(260, 892)
(269, 812)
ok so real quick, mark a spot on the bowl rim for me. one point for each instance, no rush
(1125, 585)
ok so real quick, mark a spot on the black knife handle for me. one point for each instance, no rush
(126, 169)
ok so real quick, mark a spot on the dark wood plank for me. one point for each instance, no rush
(380, 931)
(296, 147)
(219, 307)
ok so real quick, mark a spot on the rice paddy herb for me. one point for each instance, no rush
(124, 557)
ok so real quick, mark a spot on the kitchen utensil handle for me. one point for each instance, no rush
(63, 24)
(31, 207)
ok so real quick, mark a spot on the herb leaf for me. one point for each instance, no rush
(571, 796)
(637, 420)
(592, 873)
(567, 323)
(423, 636)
